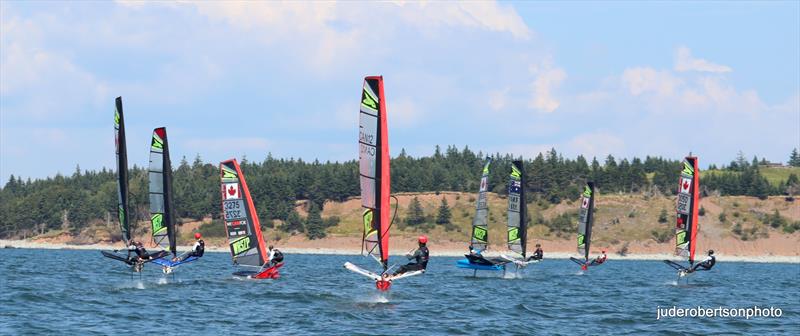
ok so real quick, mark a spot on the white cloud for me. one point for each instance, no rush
(403, 112)
(596, 144)
(640, 80)
(685, 62)
(224, 144)
(498, 99)
(547, 79)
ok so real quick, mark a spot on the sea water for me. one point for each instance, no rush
(81, 292)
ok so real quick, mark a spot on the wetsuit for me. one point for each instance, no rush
(420, 256)
(275, 257)
(141, 254)
(599, 260)
(537, 255)
(706, 264)
(197, 251)
(475, 257)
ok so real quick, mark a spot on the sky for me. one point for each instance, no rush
(244, 79)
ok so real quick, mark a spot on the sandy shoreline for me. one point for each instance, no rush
(27, 244)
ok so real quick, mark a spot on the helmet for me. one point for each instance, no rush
(197, 235)
(604, 251)
(423, 239)
(710, 252)
(270, 247)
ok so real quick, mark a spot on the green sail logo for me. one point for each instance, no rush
(688, 169)
(116, 117)
(158, 223)
(479, 234)
(157, 142)
(581, 240)
(486, 168)
(367, 216)
(228, 174)
(241, 245)
(680, 237)
(513, 235)
(587, 192)
(369, 101)
(515, 173)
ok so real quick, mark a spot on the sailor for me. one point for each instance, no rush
(275, 256)
(600, 259)
(538, 254)
(707, 263)
(475, 252)
(420, 256)
(197, 250)
(140, 253)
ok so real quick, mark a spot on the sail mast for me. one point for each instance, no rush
(480, 224)
(687, 209)
(374, 168)
(122, 171)
(585, 220)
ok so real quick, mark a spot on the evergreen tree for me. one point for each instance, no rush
(293, 223)
(415, 215)
(662, 217)
(794, 158)
(314, 223)
(444, 215)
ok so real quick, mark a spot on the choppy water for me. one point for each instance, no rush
(80, 292)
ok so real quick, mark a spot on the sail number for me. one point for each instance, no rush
(234, 209)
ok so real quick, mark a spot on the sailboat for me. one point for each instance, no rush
(479, 238)
(517, 216)
(373, 139)
(162, 212)
(585, 222)
(687, 211)
(122, 189)
(245, 240)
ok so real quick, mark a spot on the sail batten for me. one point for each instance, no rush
(517, 212)
(687, 209)
(586, 220)
(374, 169)
(162, 218)
(241, 221)
(122, 171)
(480, 223)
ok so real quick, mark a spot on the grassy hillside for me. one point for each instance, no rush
(775, 175)
(620, 219)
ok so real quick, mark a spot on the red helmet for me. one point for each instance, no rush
(197, 235)
(423, 239)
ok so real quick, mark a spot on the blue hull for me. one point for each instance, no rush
(464, 263)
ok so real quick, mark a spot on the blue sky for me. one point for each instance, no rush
(230, 79)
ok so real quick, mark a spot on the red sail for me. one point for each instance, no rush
(695, 207)
(240, 217)
(384, 178)
(373, 141)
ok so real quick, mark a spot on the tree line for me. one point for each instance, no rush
(74, 202)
